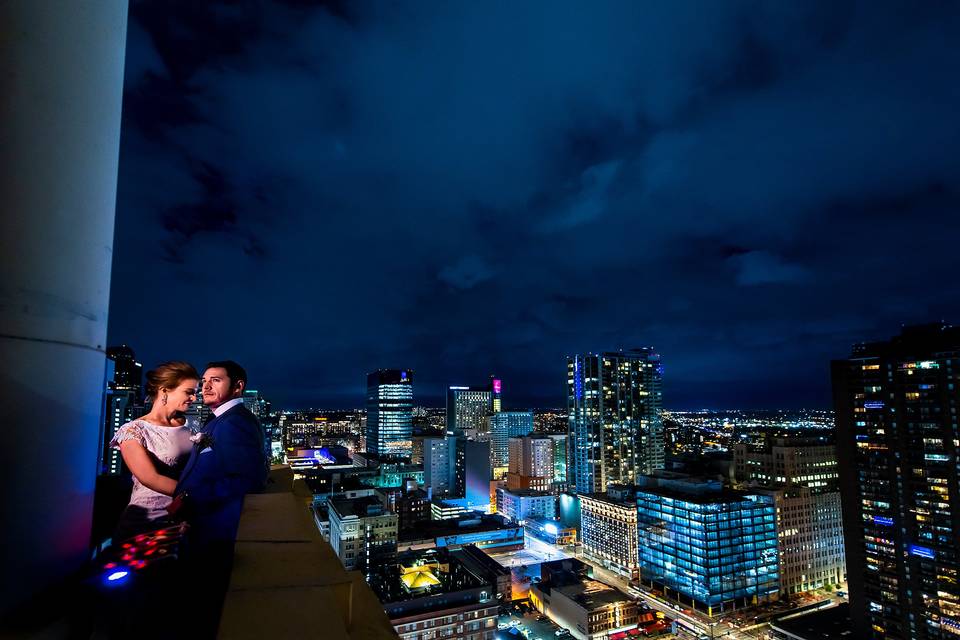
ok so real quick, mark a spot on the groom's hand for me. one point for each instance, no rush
(177, 507)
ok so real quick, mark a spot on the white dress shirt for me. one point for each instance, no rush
(226, 406)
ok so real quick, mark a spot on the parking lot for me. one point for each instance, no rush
(517, 626)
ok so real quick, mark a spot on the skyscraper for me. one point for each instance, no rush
(439, 464)
(122, 398)
(898, 440)
(531, 463)
(468, 409)
(503, 426)
(613, 402)
(800, 474)
(390, 412)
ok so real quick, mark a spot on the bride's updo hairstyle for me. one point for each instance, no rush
(168, 376)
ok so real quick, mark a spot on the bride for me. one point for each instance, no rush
(156, 446)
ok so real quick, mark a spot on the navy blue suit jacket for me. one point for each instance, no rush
(216, 479)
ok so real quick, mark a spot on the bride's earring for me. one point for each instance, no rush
(164, 398)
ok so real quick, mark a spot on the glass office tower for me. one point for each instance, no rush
(503, 426)
(898, 440)
(613, 403)
(390, 412)
(714, 550)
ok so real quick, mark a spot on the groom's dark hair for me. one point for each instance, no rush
(235, 372)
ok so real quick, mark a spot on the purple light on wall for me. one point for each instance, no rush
(496, 386)
(887, 522)
(878, 404)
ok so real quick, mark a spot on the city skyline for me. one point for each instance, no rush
(748, 187)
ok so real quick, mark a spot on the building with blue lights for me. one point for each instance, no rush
(390, 412)
(615, 432)
(550, 530)
(710, 548)
(503, 426)
(897, 436)
(520, 504)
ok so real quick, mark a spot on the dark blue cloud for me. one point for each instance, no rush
(463, 189)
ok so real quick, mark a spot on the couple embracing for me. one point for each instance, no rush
(199, 478)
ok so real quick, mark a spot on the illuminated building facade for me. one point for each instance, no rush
(524, 503)
(801, 476)
(898, 439)
(608, 531)
(503, 426)
(253, 400)
(439, 461)
(531, 463)
(362, 533)
(559, 458)
(550, 530)
(614, 401)
(710, 548)
(390, 412)
(122, 400)
(468, 409)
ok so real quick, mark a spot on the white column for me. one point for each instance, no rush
(61, 84)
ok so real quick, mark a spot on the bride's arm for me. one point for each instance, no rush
(139, 463)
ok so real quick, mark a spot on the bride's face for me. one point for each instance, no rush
(180, 398)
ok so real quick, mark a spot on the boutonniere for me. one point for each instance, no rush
(202, 440)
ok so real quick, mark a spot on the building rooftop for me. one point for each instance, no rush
(469, 523)
(421, 574)
(592, 594)
(832, 623)
(527, 493)
(360, 507)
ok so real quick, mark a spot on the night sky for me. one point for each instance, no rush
(318, 190)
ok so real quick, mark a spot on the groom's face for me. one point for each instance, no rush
(217, 387)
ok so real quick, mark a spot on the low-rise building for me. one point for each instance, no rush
(433, 594)
(589, 609)
(486, 531)
(521, 504)
(550, 530)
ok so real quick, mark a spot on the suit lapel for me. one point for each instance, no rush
(195, 452)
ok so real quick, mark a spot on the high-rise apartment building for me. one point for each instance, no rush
(800, 474)
(614, 401)
(122, 399)
(468, 409)
(503, 426)
(439, 463)
(898, 442)
(710, 548)
(389, 429)
(531, 463)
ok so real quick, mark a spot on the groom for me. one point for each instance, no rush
(227, 463)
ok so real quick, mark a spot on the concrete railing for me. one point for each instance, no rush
(287, 582)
